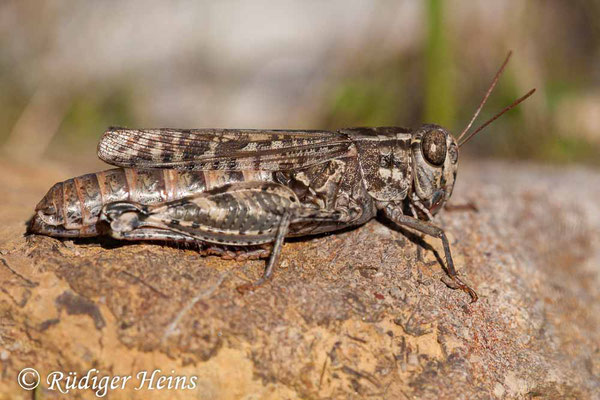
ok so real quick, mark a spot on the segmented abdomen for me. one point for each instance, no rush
(71, 208)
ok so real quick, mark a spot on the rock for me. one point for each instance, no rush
(362, 313)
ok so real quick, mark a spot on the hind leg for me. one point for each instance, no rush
(282, 231)
(153, 234)
(300, 215)
(237, 254)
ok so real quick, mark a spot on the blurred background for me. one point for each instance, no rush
(68, 70)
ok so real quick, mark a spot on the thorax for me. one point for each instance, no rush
(384, 156)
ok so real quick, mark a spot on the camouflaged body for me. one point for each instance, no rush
(72, 208)
(357, 170)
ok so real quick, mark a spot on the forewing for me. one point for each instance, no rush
(220, 149)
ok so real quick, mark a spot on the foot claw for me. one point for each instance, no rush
(250, 287)
(455, 283)
(471, 293)
(243, 289)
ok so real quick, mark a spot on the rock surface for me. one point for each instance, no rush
(359, 314)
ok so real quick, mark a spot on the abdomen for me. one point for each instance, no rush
(71, 208)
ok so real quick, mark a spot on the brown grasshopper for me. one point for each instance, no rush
(245, 189)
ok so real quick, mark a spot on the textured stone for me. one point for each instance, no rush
(362, 313)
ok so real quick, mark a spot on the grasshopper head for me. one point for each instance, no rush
(434, 154)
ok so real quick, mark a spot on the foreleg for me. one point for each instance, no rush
(396, 216)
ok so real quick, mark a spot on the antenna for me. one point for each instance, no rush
(514, 104)
(487, 94)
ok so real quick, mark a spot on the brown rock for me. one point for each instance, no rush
(351, 315)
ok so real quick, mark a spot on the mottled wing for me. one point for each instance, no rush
(220, 149)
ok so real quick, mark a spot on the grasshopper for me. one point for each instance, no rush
(247, 190)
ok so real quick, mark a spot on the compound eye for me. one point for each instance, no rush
(433, 145)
